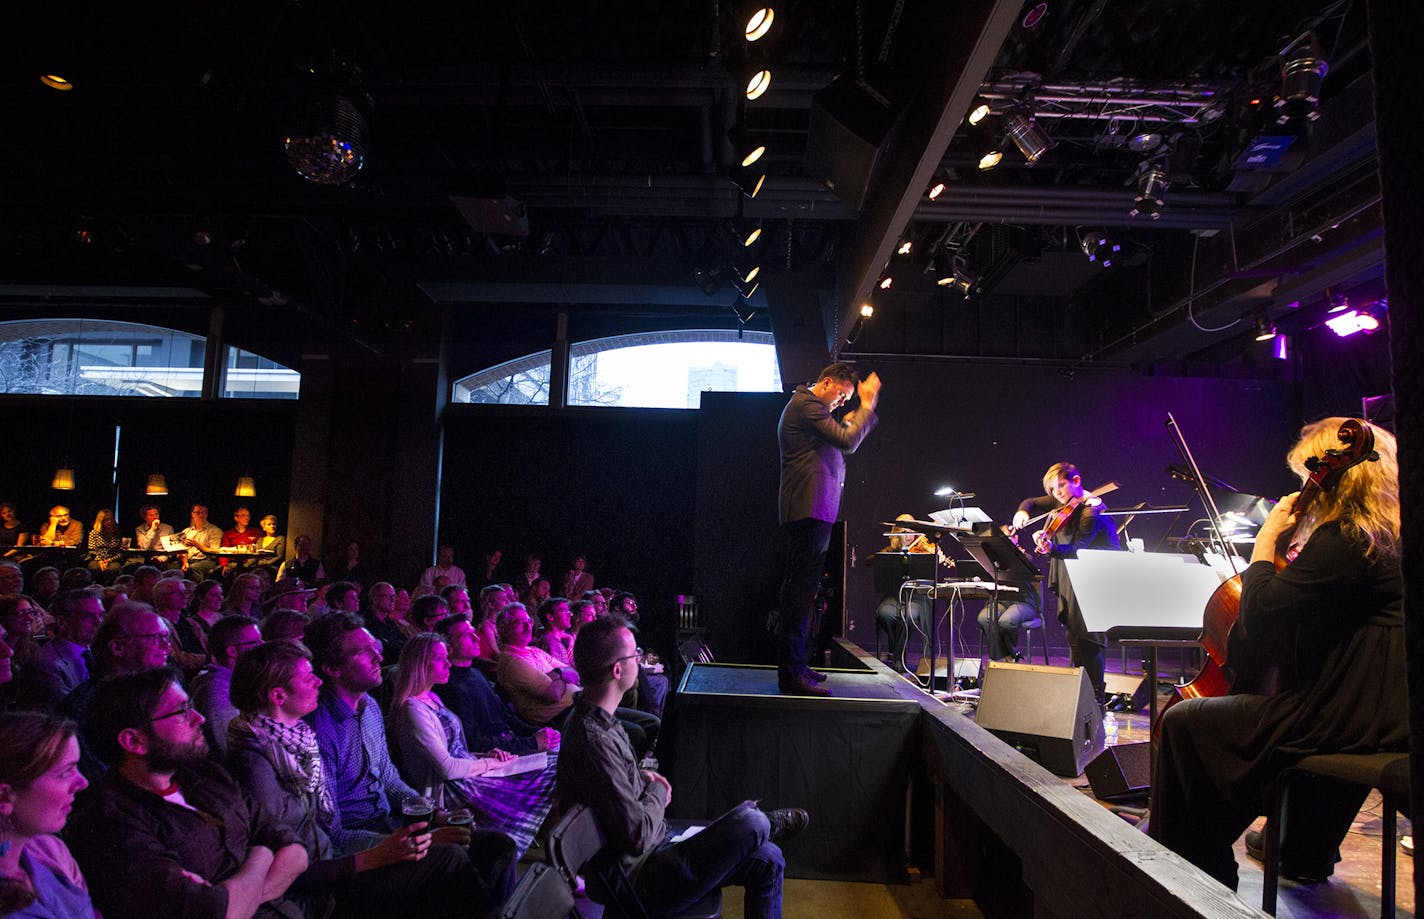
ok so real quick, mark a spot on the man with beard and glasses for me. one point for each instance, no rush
(167, 832)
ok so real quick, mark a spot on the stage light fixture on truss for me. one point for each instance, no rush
(867, 310)
(743, 310)
(979, 113)
(1265, 329)
(1152, 184)
(1033, 142)
(1099, 248)
(904, 248)
(1302, 75)
(991, 159)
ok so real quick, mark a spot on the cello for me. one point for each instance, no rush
(1229, 666)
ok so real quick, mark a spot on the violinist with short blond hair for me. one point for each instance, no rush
(1087, 526)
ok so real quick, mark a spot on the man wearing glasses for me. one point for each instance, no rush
(597, 768)
(167, 832)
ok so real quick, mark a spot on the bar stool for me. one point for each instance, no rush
(1389, 772)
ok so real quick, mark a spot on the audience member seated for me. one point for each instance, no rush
(487, 723)
(530, 574)
(61, 663)
(244, 597)
(44, 585)
(274, 756)
(131, 638)
(577, 579)
(12, 530)
(231, 638)
(457, 598)
(170, 600)
(433, 752)
(538, 592)
(582, 613)
(599, 768)
(144, 577)
(60, 530)
(599, 601)
(38, 781)
(489, 568)
(557, 618)
(426, 611)
(201, 538)
(12, 578)
(75, 577)
(203, 613)
(444, 567)
(382, 622)
(349, 567)
(289, 593)
(7, 672)
(20, 616)
(355, 758)
(540, 688)
(273, 542)
(167, 832)
(343, 596)
(149, 534)
(106, 547)
(241, 534)
(284, 623)
(303, 565)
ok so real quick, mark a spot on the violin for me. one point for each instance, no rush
(1229, 666)
(1058, 517)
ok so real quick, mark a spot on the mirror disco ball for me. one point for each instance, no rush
(332, 142)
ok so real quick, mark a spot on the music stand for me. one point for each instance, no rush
(894, 568)
(935, 533)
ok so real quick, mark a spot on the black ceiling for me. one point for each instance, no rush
(606, 125)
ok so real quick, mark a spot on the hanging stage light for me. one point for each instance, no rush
(1152, 184)
(1099, 248)
(867, 310)
(1026, 134)
(759, 22)
(63, 479)
(1302, 75)
(979, 113)
(156, 485)
(990, 159)
(944, 267)
(1265, 330)
(758, 83)
(904, 248)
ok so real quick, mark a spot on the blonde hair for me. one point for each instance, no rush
(1365, 500)
(413, 674)
(1059, 471)
(99, 518)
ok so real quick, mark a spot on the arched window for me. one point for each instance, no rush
(645, 370)
(97, 357)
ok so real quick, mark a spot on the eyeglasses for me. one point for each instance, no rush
(619, 660)
(185, 711)
(148, 636)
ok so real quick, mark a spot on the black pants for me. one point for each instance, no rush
(806, 543)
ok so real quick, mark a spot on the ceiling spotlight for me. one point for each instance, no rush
(1099, 248)
(749, 178)
(1035, 15)
(944, 267)
(331, 142)
(55, 81)
(935, 190)
(867, 310)
(886, 281)
(1265, 330)
(904, 248)
(1152, 183)
(979, 113)
(759, 23)
(746, 288)
(1301, 77)
(744, 311)
(990, 159)
(1031, 139)
(746, 267)
(759, 83)
(747, 147)
(749, 237)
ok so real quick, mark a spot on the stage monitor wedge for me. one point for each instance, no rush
(1048, 713)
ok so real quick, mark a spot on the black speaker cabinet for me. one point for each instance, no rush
(849, 121)
(1121, 771)
(1048, 713)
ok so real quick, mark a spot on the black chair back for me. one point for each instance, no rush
(542, 894)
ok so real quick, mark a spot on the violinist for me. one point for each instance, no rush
(1082, 524)
(1331, 621)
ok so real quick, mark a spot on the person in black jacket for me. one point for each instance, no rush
(1087, 527)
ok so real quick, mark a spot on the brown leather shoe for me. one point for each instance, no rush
(801, 686)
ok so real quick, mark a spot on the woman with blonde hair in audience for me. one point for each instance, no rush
(244, 597)
(39, 777)
(105, 546)
(430, 742)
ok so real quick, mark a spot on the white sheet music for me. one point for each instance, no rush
(1141, 589)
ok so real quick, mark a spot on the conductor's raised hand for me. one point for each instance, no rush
(869, 390)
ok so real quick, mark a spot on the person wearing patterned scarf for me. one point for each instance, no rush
(274, 755)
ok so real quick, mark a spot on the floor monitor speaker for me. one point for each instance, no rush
(1048, 713)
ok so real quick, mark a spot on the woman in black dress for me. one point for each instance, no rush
(1332, 621)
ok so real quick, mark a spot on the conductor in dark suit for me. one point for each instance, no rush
(813, 447)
